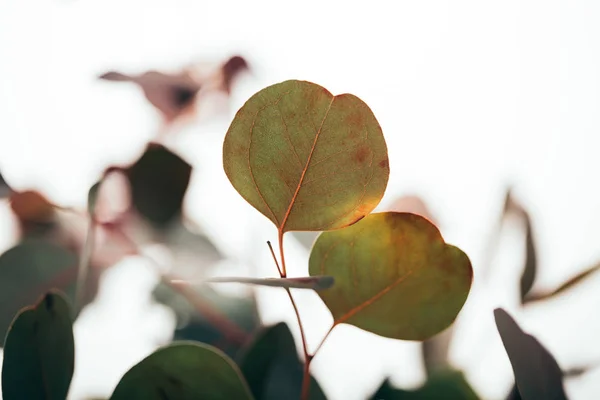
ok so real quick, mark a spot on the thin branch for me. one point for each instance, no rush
(323, 341)
(280, 239)
(275, 258)
(306, 375)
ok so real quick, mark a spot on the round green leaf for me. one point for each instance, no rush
(183, 371)
(306, 159)
(394, 276)
(39, 353)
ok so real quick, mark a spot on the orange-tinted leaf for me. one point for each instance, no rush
(31, 206)
(306, 159)
(394, 276)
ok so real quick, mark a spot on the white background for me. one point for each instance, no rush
(471, 95)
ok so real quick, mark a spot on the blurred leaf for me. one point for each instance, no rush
(39, 353)
(193, 325)
(272, 367)
(306, 159)
(576, 280)
(394, 276)
(311, 282)
(5, 189)
(159, 180)
(230, 70)
(36, 215)
(171, 94)
(443, 385)
(537, 373)
(183, 371)
(29, 270)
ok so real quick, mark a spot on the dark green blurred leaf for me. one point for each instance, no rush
(537, 373)
(5, 190)
(442, 385)
(183, 371)
(272, 367)
(310, 282)
(577, 279)
(192, 325)
(29, 270)
(159, 180)
(39, 353)
(514, 394)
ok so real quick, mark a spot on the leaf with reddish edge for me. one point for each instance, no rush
(306, 159)
(394, 276)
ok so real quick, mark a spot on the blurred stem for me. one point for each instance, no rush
(84, 263)
(309, 358)
(283, 271)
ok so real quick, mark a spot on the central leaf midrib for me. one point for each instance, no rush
(299, 186)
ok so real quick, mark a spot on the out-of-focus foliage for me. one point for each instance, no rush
(39, 352)
(537, 373)
(183, 371)
(272, 368)
(442, 385)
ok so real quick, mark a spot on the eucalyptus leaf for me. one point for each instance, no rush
(394, 276)
(272, 368)
(537, 374)
(39, 352)
(183, 371)
(306, 159)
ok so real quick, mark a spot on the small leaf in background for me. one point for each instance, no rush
(39, 352)
(29, 270)
(311, 282)
(443, 385)
(159, 180)
(306, 159)
(568, 285)
(530, 267)
(394, 276)
(193, 325)
(183, 371)
(272, 367)
(537, 374)
(171, 94)
(36, 215)
(230, 70)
